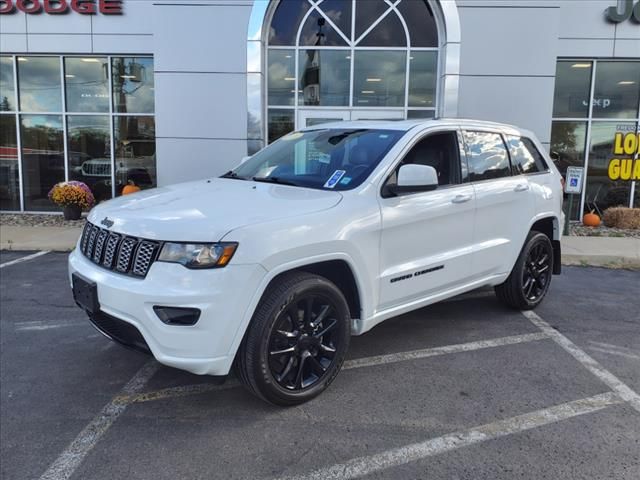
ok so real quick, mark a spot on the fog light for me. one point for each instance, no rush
(177, 315)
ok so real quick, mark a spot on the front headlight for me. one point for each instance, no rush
(198, 255)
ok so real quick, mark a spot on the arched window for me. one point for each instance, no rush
(349, 59)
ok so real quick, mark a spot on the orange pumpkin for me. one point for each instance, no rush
(130, 188)
(591, 219)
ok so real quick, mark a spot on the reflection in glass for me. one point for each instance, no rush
(281, 77)
(617, 90)
(421, 114)
(379, 78)
(87, 84)
(316, 31)
(487, 155)
(423, 77)
(285, 22)
(254, 105)
(602, 192)
(133, 84)
(568, 149)
(421, 23)
(367, 13)
(135, 151)
(42, 159)
(281, 122)
(7, 90)
(9, 177)
(324, 77)
(254, 146)
(388, 33)
(339, 11)
(89, 153)
(573, 88)
(39, 84)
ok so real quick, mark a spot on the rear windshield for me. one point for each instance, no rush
(326, 159)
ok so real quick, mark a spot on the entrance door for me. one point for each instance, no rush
(309, 118)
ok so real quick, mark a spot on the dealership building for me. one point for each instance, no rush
(156, 92)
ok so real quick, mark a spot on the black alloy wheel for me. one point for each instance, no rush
(537, 271)
(530, 278)
(303, 342)
(297, 340)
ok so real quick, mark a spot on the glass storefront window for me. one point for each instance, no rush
(316, 31)
(420, 22)
(281, 122)
(89, 153)
(9, 173)
(617, 90)
(39, 84)
(421, 114)
(568, 141)
(285, 22)
(281, 77)
(135, 151)
(86, 83)
(324, 77)
(133, 84)
(388, 33)
(379, 78)
(42, 159)
(573, 88)
(423, 69)
(7, 90)
(602, 192)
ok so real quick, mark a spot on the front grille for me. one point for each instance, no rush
(128, 255)
(120, 331)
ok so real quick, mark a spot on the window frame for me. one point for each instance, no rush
(462, 180)
(501, 134)
(18, 114)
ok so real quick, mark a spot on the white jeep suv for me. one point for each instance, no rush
(322, 235)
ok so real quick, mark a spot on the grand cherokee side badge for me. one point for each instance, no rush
(106, 222)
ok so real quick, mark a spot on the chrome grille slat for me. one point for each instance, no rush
(116, 252)
(100, 239)
(110, 250)
(144, 257)
(125, 253)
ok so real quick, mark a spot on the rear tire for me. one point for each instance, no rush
(297, 340)
(529, 280)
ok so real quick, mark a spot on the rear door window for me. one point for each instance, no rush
(487, 156)
(525, 156)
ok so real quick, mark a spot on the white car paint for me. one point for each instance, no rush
(459, 237)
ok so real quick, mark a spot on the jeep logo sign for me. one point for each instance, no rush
(56, 7)
(628, 11)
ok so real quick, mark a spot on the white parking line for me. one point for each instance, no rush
(24, 259)
(626, 393)
(362, 466)
(433, 352)
(64, 466)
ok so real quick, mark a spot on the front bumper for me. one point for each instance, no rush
(223, 296)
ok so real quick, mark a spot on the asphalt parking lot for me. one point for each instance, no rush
(462, 389)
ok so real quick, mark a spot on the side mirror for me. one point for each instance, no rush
(414, 179)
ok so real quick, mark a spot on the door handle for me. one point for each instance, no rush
(521, 187)
(461, 198)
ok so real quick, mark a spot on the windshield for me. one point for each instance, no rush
(328, 159)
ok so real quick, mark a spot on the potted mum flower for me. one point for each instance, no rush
(73, 197)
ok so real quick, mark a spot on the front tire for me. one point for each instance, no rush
(297, 340)
(529, 280)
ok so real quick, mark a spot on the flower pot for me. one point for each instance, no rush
(72, 212)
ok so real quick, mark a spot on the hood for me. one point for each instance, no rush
(205, 210)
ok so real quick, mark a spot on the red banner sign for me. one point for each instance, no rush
(57, 7)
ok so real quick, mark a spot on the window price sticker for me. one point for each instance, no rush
(573, 182)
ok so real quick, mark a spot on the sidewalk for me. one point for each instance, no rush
(610, 252)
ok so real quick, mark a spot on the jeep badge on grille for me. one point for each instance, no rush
(106, 222)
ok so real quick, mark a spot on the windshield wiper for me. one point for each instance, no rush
(277, 180)
(232, 174)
